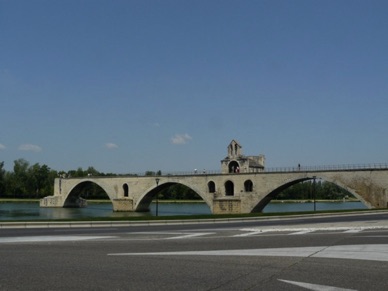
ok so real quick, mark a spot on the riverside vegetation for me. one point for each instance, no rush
(37, 181)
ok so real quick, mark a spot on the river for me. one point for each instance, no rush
(23, 211)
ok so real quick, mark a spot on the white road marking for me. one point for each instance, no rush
(190, 235)
(249, 233)
(358, 252)
(317, 228)
(50, 238)
(315, 287)
(300, 232)
(352, 230)
(295, 252)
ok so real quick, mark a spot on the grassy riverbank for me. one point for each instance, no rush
(17, 200)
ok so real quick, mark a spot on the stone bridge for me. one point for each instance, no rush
(226, 193)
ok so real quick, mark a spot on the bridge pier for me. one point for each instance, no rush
(122, 205)
(57, 201)
(226, 206)
(51, 201)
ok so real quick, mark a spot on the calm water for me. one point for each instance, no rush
(32, 211)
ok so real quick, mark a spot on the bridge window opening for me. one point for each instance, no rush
(234, 167)
(211, 186)
(229, 188)
(248, 186)
(125, 189)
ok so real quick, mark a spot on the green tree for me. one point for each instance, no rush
(76, 173)
(322, 190)
(179, 192)
(41, 180)
(92, 171)
(2, 179)
(18, 180)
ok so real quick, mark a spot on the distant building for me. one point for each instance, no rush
(236, 162)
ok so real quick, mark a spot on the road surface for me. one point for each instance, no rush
(345, 252)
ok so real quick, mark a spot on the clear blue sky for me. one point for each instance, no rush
(130, 86)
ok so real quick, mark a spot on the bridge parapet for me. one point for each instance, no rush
(320, 168)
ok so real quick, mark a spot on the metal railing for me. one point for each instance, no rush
(343, 167)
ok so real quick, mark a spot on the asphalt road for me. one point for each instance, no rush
(346, 252)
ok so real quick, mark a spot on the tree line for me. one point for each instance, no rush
(308, 190)
(34, 181)
(26, 181)
(37, 181)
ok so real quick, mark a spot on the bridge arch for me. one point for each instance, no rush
(146, 198)
(73, 199)
(263, 202)
(347, 186)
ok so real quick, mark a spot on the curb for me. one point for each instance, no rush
(91, 224)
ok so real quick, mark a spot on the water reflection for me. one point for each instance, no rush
(32, 211)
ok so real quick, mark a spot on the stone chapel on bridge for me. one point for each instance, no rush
(236, 162)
